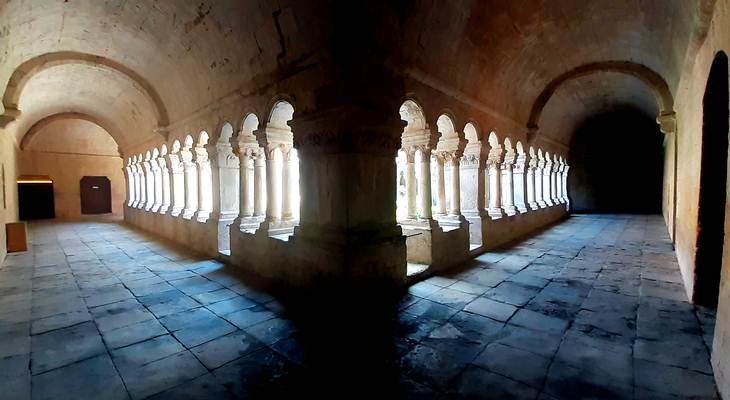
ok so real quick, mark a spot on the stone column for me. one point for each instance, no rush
(425, 183)
(508, 199)
(440, 185)
(150, 186)
(559, 182)
(455, 185)
(495, 188)
(190, 173)
(165, 179)
(272, 188)
(518, 178)
(286, 173)
(259, 186)
(553, 182)
(130, 184)
(531, 188)
(205, 184)
(177, 178)
(135, 177)
(411, 191)
(565, 183)
(244, 202)
(547, 170)
(157, 174)
(538, 182)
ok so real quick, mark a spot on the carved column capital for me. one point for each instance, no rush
(667, 122)
(347, 129)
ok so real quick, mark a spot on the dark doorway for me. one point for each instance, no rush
(617, 164)
(96, 195)
(35, 198)
(713, 179)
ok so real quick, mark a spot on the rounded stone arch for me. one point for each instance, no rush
(163, 150)
(493, 140)
(446, 125)
(531, 151)
(155, 154)
(38, 126)
(175, 147)
(519, 148)
(249, 124)
(412, 112)
(471, 132)
(188, 142)
(147, 155)
(203, 138)
(280, 111)
(226, 133)
(651, 78)
(25, 72)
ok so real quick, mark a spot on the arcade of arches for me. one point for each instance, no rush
(464, 190)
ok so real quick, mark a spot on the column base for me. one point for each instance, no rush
(495, 213)
(510, 210)
(542, 204)
(533, 206)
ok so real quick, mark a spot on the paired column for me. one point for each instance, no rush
(130, 183)
(272, 189)
(205, 184)
(157, 174)
(177, 176)
(259, 184)
(495, 187)
(518, 177)
(165, 180)
(539, 182)
(425, 183)
(411, 190)
(244, 189)
(564, 177)
(286, 184)
(190, 173)
(547, 170)
(508, 199)
(440, 185)
(531, 188)
(150, 185)
(455, 185)
(139, 187)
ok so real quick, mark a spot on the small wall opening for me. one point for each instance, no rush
(35, 197)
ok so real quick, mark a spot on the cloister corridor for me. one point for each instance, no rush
(590, 307)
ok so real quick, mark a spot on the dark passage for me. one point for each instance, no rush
(713, 177)
(617, 164)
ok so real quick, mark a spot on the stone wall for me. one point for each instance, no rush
(8, 188)
(688, 105)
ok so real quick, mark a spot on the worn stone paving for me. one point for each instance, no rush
(591, 308)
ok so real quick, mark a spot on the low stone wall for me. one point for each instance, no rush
(201, 237)
(497, 232)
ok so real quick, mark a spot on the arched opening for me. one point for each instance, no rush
(205, 178)
(507, 178)
(252, 176)
(713, 180)
(472, 193)
(282, 172)
(627, 180)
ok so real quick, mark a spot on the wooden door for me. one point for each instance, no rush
(96, 195)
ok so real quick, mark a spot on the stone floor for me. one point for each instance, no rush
(591, 308)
